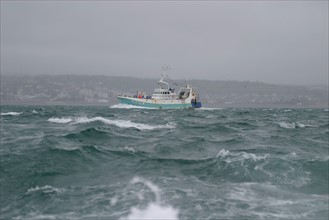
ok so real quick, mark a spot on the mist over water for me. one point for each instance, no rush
(276, 42)
(61, 162)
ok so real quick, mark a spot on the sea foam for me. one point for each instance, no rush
(126, 106)
(239, 156)
(60, 120)
(10, 113)
(293, 125)
(208, 109)
(155, 210)
(118, 123)
(45, 189)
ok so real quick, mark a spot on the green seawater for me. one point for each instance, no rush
(60, 162)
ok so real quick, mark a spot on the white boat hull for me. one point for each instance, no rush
(155, 103)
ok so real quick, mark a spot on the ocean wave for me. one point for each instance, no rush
(154, 210)
(320, 159)
(126, 106)
(282, 202)
(45, 189)
(129, 149)
(208, 109)
(36, 216)
(118, 123)
(60, 120)
(240, 156)
(293, 125)
(72, 147)
(10, 113)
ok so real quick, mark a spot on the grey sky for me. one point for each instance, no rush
(268, 41)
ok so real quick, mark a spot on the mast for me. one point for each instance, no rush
(162, 83)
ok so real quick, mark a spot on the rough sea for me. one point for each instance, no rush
(119, 162)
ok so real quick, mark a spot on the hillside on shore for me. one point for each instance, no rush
(102, 90)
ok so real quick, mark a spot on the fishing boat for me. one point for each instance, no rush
(164, 97)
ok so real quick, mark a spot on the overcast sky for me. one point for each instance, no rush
(269, 41)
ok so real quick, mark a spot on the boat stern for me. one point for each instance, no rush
(196, 104)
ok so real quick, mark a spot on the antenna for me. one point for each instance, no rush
(165, 68)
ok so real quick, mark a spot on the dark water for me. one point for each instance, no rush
(111, 163)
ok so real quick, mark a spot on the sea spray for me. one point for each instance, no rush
(154, 210)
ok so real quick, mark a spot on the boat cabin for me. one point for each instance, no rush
(164, 92)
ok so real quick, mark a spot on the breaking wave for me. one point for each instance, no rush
(154, 210)
(118, 123)
(126, 106)
(10, 113)
(60, 120)
(44, 189)
(208, 109)
(69, 162)
(293, 125)
(240, 156)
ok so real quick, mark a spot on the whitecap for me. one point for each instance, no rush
(122, 123)
(35, 112)
(126, 106)
(154, 210)
(45, 189)
(118, 123)
(60, 120)
(287, 125)
(36, 216)
(223, 153)
(239, 156)
(293, 125)
(130, 149)
(10, 113)
(209, 109)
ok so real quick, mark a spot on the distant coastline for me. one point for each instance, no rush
(103, 90)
